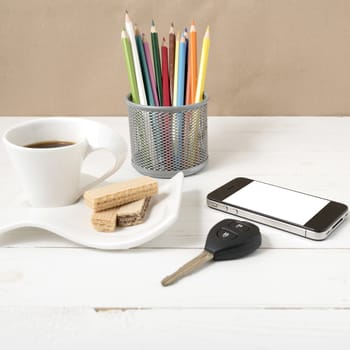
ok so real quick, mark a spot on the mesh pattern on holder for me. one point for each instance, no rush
(166, 140)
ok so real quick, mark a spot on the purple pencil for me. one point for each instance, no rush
(150, 69)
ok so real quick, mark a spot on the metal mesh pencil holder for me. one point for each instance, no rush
(166, 140)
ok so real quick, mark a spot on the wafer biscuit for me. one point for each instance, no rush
(133, 213)
(127, 215)
(105, 221)
(117, 194)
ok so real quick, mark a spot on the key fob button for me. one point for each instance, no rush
(240, 227)
(226, 234)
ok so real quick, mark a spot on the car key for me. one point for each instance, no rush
(229, 239)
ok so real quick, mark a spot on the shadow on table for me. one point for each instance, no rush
(187, 231)
(235, 136)
(32, 237)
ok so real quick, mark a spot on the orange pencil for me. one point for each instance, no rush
(193, 62)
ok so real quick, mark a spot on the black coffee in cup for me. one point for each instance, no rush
(50, 144)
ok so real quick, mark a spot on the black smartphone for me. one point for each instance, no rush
(296, 212)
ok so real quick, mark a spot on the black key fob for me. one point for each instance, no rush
(232, 239)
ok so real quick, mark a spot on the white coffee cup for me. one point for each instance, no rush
(50, 177)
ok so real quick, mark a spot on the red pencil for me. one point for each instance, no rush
(166, 102)
(165, 75)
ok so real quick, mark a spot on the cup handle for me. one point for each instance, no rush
(108, 140)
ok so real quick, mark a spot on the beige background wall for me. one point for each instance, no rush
(268, 57)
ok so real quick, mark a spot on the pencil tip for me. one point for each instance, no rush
(153, 22)
(193, 27)
(193, 23)
(172, 24)
(126, 12)
(185, 33)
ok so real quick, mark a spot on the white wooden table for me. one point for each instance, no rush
(292, 293)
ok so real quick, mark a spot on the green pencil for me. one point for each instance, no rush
(130, 67)
(144, 67)
(156, 61)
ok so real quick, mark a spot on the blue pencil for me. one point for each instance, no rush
(181, 98)
(181, 73)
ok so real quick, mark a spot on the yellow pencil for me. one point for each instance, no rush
(203, 66)
(176, 69)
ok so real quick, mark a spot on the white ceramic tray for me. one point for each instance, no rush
(73, 222)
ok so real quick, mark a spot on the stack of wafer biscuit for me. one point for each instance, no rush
(120, 204)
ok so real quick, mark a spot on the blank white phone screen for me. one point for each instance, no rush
(278, 202)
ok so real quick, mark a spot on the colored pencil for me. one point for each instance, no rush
(186, 65)
(130, 30)
(167, 117)
(150, 69)
(130, 67)
(156, 61)
(172, 39)
(181, 72)
(203, 66)
(165, 75)
(188, 114)
(193, 59)
(186, 34)
(144, 67)
(180, 100)
(188, 71)
(176, 68)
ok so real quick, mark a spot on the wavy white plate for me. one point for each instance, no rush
(73, 222)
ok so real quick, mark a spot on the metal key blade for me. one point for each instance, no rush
(193, 264)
